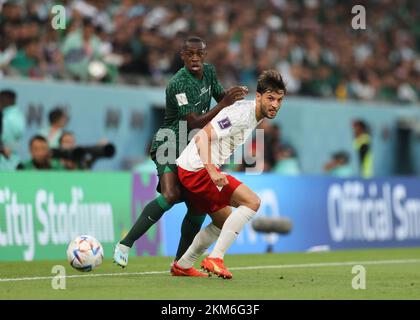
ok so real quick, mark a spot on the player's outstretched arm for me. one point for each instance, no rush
(198, 121)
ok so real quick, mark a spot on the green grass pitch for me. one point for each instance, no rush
(389, 274)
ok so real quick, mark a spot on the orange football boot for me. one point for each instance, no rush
(177, 271)
(216, 266)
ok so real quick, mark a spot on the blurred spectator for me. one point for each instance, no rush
(12, 130)
(67, 141)
(83, 52)
(310, 42)
(362, 145)
(262, 154)
(40, 156)
(272, 142)
(339, 165)
(287, 163)
(7, 53)
(272, 155)
(29, 60)
(76, 157)
(57, 119)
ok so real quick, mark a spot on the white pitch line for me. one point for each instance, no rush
(84, 276)
(329, 264)
(280, 266)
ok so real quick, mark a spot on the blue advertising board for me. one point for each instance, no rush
(327, 213)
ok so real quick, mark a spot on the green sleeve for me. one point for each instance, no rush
(57, 165)
(27, 165)
(217, 89)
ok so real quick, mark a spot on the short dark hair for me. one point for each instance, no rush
(362, 124)
(193, 39)
(8, 94)
(341, 155)
(88, 22)
(288, 148)
(55, 115)
(270, 80)
(37, 137)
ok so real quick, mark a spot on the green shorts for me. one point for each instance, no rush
(163, 168)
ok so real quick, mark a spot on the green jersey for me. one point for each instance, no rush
(186, 94)
(54, 165)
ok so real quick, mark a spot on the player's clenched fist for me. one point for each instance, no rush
(219, 179)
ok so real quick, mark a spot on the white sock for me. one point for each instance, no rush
(124, 248)
(233, 225)
(202, 241)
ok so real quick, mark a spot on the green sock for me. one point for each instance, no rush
(150, 215)
(190, 227)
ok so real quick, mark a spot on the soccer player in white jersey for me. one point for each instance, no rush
(208, 190)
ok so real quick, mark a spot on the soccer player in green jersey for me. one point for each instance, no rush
(188, 97)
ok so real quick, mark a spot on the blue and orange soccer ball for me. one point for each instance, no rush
(85, 253)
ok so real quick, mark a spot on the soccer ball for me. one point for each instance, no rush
(85, 253)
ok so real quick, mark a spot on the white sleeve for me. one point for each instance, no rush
(224, 121)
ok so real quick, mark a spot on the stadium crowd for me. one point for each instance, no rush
(311, 42)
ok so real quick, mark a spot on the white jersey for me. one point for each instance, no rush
(233, 125)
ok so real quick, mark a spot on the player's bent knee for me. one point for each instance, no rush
(254, 202)
(172, 196)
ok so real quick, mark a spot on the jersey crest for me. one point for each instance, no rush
(182, 99)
